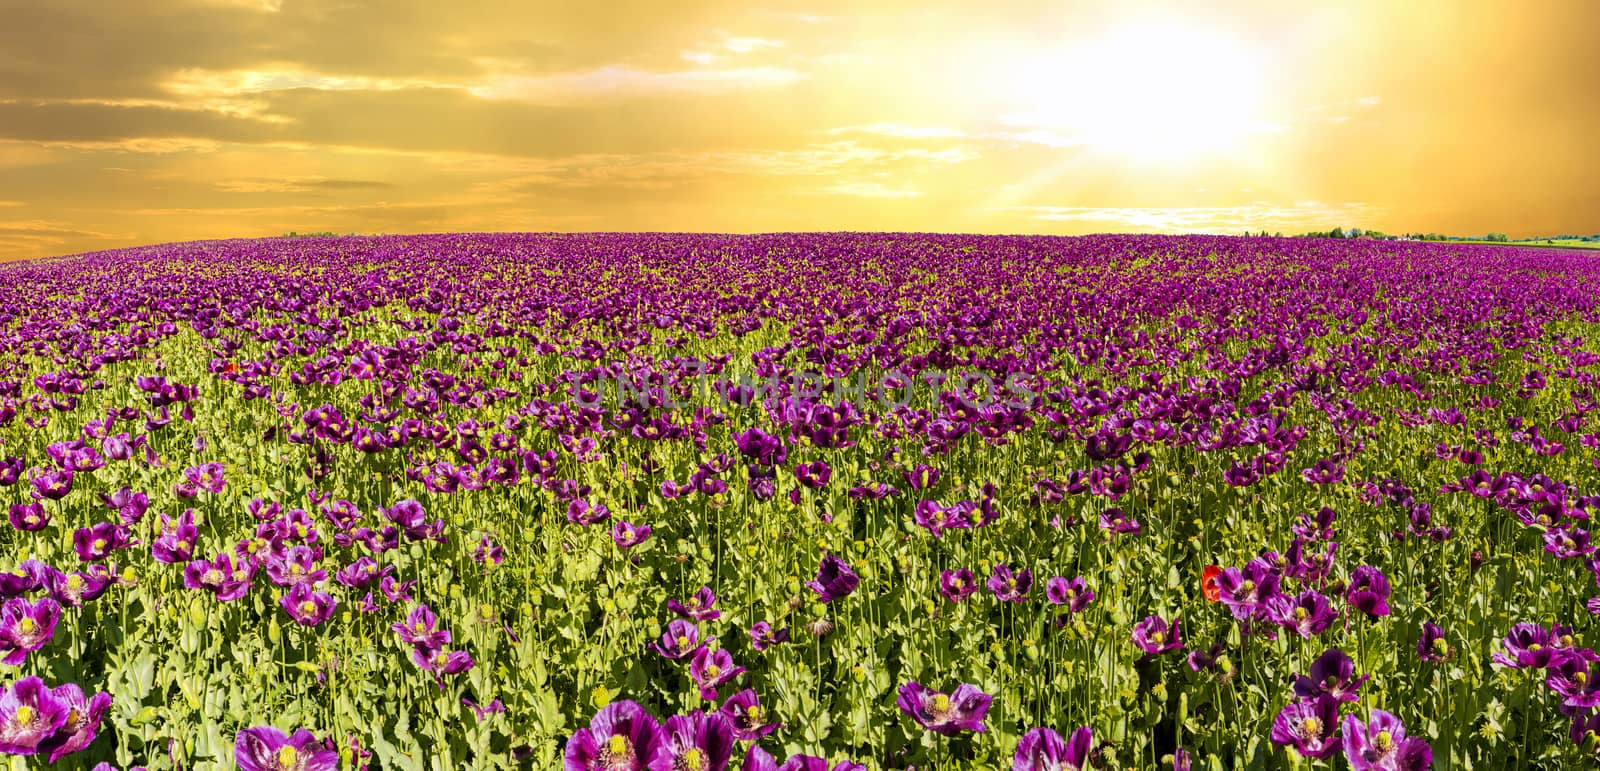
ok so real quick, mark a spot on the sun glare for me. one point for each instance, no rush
(1149, 93)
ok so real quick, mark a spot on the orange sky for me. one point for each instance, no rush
(182, 119)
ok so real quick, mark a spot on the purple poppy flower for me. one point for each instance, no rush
(961, 710)
(711, 669)
(1042, 749)
(745, 713)
(129, 505)
(296, 567)
(420, 629)
(1575, 680)
(835, 580)
(218, 576)
(1332, 674)
(1075, 594)
(1117, 522)
(1381, 744)
(53, 485)
(681, 639)
(698, 607)
(628, 535)
(95, 543)
(440, 662)
(1009, 586)
(1431, 646)
(483, 712)
(30, 713)
(76, 587)
(1155, 636)
(29, 516)
(361, 573)
(698, 740)
(265, 748)
(206, 476)
(1585, 732)
(307, 606)
(28, 576)
(1244, 590)
(763, 637)
(26, 626)
(622, 736)
(957, 585)
(581, 512)
(177, 539)
(1309, 727)
(84, 715)
(1530, 646)
(1308, 615)
(1368, 591)
(813, 475)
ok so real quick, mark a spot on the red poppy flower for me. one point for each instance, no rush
(1208, 583)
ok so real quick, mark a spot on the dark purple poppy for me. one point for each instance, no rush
(710, 669)
(748, 718)
(698, 606)
(307, 606)
(1432, 646)
(1042, 749)
(265, 748)
(84, 715)
(1155, 636)
(1310, 727)
(1368, 591)
(961, 710)
(681, 640)
(622, 736)
(218, 576)
(1332, 674)
(30, 713)
(26, 626)
(1381, 744)
(1009, 585)
(421, 629)
(1308, 614)
(698, 741)
(835, 580)
(628, 535)
(957, 585)
(763, 637)
(1530, 646)
(29, 516)
(1074, 593)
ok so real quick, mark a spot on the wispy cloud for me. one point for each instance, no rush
(866, 190)
(298, 185)
(623, 82)
(1258, 215)
(900, 131)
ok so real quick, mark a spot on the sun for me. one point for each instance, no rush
(1149, 92)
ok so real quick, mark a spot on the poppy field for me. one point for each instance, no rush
(803, 502)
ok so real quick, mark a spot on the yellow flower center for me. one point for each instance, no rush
(712, 670)
(1301, 613)
(694, 759)
(1384, 740)
(27, 625)
(24, 715)
(941, 703)
(296, 570)
(75, 582)
(287, 757)
(1311, 727)
(419, 627)
(213, 576)
(183, 545)
(627, 535)
(617, 745)
(683, 642)
(1157, 637)
(1248, 585)
(99, 543)
(308, 607)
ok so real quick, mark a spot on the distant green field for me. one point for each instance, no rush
(1567, 243)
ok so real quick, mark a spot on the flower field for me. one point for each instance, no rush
(800, 502)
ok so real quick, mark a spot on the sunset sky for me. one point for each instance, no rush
(170, 120)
